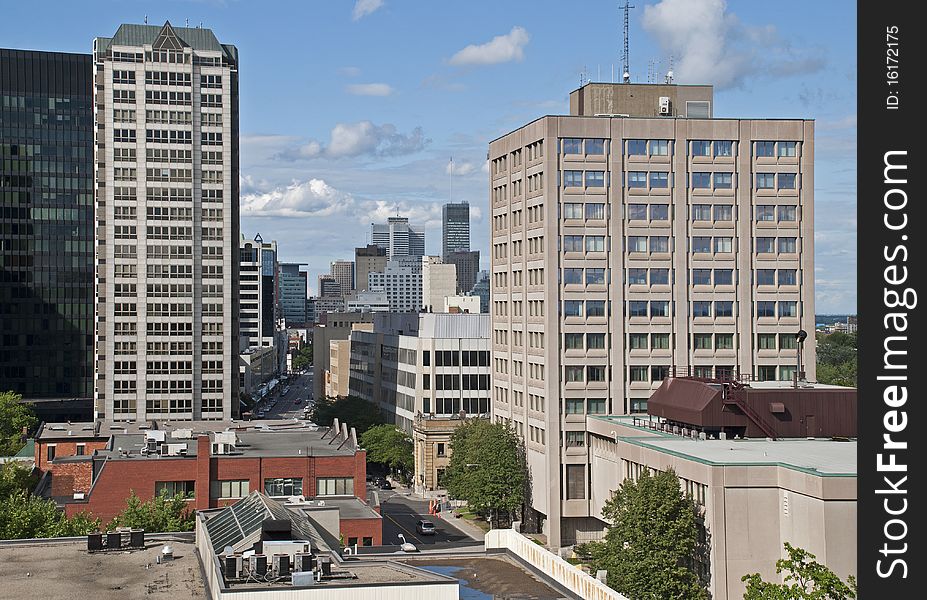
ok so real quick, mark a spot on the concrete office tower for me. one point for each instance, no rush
(468, 266)
(401, 280)
(455, 228)
(294, 290)
(367, 259)
(329, 287)
(398, 237)
(258, 292)
(46, 252)
(439, 280)
(166, 157)
(624, 248)
(343, 272)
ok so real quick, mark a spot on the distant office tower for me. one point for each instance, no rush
(402, 282)
(343, 272)
(46, 226)
(166, 106)
(398, 237)
(368, 259)
(258, 291)
(329, 287)
(439, 280)
(293, 283)
(629, 248)
(455, 228)
(481, 289)
(468, 266)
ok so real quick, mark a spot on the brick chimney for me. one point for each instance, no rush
(203, 475)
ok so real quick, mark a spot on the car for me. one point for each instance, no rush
(425, 527)
(385, 485)
(298, 401)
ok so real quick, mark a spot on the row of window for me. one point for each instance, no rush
(452, 406)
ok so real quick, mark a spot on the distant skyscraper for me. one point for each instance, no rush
(481, 289)
(166, 106)
(468, 265)
(369, 259)
(46, 225)
(455, 228)
(258, 295)
(329, 286)
(343, 272)
(398, 237)
(294, 290)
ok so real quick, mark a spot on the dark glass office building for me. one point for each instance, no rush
(46, 227)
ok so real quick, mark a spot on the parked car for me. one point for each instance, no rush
(425, 527)
(386, 485)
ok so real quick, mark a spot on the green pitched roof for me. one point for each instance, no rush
(197, 38)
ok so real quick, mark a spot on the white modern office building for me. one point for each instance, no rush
(257, 292)
(167, 228)
(398, 237)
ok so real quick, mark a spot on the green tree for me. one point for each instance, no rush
(25, 516)
(805, 579)
(837, 359)
(14, 418)
(649, 547)
(303, 358)
(16, 478)
(389, 446)
(356, 412)
(487, 468)
(161, 513)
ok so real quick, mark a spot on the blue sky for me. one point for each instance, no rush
(351, 110)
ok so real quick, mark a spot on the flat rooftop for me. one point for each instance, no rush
(356, 574)
(54, 570)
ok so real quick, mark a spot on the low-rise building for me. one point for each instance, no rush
(431, 439)
(337, 327)
(462, 304)
(367, 302)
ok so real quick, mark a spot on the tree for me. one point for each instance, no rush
(487, 468)
(805, 579)
(389, 446)
(356, 412)
(14, 418)
(837, 360)
(25, 516)
(161, 513)
(303, 358)
(16, 478)
(649, 547)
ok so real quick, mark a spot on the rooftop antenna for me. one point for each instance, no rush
(670, 74)
(625, 58)
(146, 19)
(450, 181)
(186, 22)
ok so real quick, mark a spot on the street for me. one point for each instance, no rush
(401, 512)
(286, 407)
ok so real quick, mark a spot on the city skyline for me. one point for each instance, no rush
(380, 142)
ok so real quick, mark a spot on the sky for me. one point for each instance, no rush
(352, 111)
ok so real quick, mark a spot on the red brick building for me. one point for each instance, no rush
(96, 467)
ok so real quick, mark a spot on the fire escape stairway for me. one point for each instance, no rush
(735, 397)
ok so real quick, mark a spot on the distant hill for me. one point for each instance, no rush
(830, 319)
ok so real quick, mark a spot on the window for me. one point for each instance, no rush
(595, 308)
(659, 373)
(765, 308)
(81, 449)
(701, 277)
(724, 308)
(637, 308)
(723, 212)
(724, 277)
(701, 180)
(572, 146)
(659, 212)
(766, 373)
(637, 147)
(595, 178)
(765, 245)
(788, 341)
(595, 146)
(231, 488)
(659, 308)
(659, 276)
(637, 276)
(572, 243)
(576, 482)
(440, 450)
(334, 486)
(701, 341)
(701, 244)
(766, 341)
(724, 244)
(174, 488)
(766, 277)
(765, 212)
(573, 341)
(787, 245)
(574, 406)
(597, 406)
(701, 212)
(572, 276)
(724, 341)
(764, 181)
(637, 212)
(660, 341)
(595, 373)
(659, 179)
(788, 277)
(787, 149)
(573, 373)
(637, 341)
(572, 179)
(573, 308)
(572, 210)
(595, 276)
(595, 211)
(637, 243)
(787, 213)
(764, 149)
(595, 243)
(788, 308)
(724, 148)
(659, 147)
(575, 439)
(284, 486)
(786, 181)
(786, 373)
(724, 181)
(701, 308)
(50, 453)
(659, 243)
(595, 341)
(637, 179)
(701, 148)
(637, 374)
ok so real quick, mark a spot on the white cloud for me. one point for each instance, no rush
(350, 71)
(712, 46)
(502, 48)
(370, 89)
(312, 198)
(460, 167)
(362, 8)
(426, 215)
(360, 138)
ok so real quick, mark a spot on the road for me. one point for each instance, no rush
(401, 512)
(286, 407)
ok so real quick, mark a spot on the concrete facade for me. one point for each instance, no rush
(367, 259)
(258, 291)
(625, 247)
(166, 168)
(343, 272)
(468, 267)
(337, 327)
(439, 280)
(398, 237)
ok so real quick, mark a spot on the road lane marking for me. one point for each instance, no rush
(403, 528)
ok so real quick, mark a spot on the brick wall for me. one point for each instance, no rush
(71, 477)
(63, 449)
(361, 528)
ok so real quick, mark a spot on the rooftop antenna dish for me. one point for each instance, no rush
(625, 56)
(670, 74)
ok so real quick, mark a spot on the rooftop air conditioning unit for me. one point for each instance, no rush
(664, 105)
